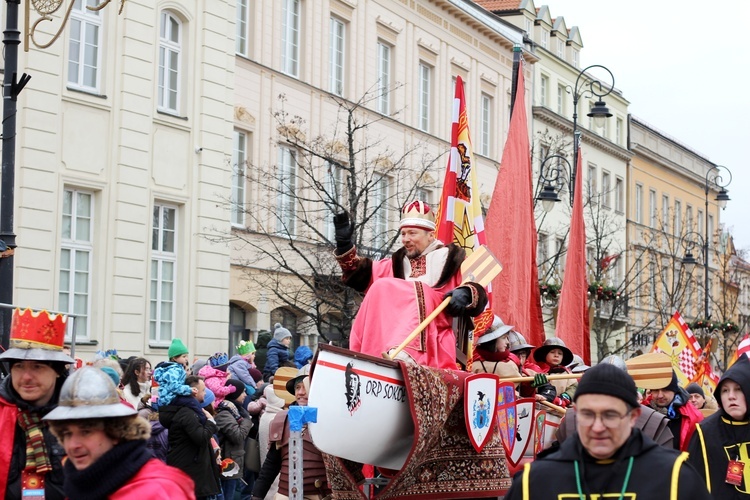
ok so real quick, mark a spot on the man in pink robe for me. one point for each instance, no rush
(402, 290)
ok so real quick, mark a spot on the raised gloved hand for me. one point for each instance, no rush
(540, 379)
(460, 300)
(344, 231)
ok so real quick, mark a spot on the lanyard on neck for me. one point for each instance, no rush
(624, 484)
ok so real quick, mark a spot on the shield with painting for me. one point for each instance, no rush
(480, 394)
(506, 414)
(541, 416)
(524, 430)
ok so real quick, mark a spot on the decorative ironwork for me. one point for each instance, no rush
(45, 9)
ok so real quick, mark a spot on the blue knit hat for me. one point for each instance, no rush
(171, 380)
(302, 356)
(208, 399)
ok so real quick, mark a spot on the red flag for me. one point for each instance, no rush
(573, 312)
(459, 216)
(511, 230)
(743, 348)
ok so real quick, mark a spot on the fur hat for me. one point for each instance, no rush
(608, 380)
(176, 348)
(239, 388)
(540, 355)
(89, 393)
(280, 333)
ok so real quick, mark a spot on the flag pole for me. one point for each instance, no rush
(514, 78)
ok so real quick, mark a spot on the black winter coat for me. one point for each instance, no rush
(651, 477)
(190, 447)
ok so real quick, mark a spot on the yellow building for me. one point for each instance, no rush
(670, 217)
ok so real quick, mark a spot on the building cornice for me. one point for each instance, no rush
(546, 115)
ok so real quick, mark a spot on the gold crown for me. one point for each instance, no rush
(37, 330)
(418, 214)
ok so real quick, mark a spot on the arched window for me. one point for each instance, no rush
(170, 62)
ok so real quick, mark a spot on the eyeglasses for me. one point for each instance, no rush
(610, 419)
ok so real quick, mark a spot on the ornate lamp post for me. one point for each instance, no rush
(585, 86)
(714, 179)
(12, 87)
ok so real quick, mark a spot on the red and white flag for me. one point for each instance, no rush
(459, 216)
(677, 341)
(742, 349)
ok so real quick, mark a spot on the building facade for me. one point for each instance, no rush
(301, 64)
(121, 141)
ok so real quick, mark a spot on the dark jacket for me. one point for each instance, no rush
(720, 437)
(13, 445)
(190, 447)
(276, 355)
(650, 479)
(682, 419)
(232, 434)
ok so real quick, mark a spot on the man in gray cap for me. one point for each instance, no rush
(609, 456)
(105, 441)
(30, 457)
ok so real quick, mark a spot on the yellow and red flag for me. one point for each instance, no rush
(459, 215)
(678, 342)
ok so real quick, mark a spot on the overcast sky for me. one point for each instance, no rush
(684, 67)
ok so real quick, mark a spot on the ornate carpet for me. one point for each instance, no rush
(442, 463)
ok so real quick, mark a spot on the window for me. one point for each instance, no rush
(677, 218)
(243, 27)
(652, 208)
(606, 187)
(638, 203)
(652, 277)
(337, 56)
(170, 50)
(543, 86)
(592, 181)
(380, 216)
(384, 77)
(76, 249)
(290, 37)
(689, 219)
(618, 132)
(542, 250)
(560, 49)
(689, 298)
(620, 195)
(335, 191)
(699, 227)
(711, 227)
(665, 212)
(545, 38)
(287, 186)
(561, 99)
(84, 45)
(239, 165)
(486, 128)
(425, 75)
(163, 274)
(575, 58)
(560, 255)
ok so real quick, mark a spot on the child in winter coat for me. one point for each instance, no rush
(553, 357)
(278, 351)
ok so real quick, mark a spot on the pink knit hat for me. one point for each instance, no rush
(216, 380)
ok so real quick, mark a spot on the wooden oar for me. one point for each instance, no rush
(556, 376)
(553, 406)
(479, 267)
(650, 371)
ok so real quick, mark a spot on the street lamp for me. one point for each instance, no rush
(714, 179)
(552, 179)
(12, 87)
(586, 86)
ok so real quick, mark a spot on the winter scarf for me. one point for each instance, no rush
(193, 404)
(36, 450)
(108, 474)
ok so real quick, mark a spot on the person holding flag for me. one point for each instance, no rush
(402, 290)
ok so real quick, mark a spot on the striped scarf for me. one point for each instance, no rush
(36, 449)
